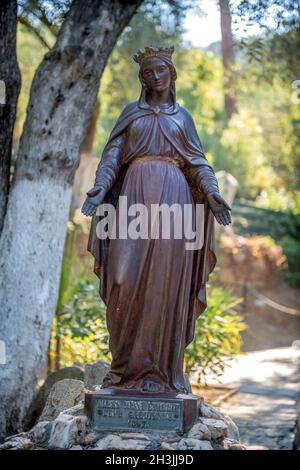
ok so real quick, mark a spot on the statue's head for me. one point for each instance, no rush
(157, 71)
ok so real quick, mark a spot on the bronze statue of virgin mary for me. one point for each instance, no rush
(154, 288)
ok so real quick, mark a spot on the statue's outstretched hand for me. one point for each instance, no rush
(94, 199)
(219, 208)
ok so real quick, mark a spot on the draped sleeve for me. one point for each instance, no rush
(202, 175)
(110, 163)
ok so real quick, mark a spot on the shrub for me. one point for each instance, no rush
(84, 336)
(217, 335)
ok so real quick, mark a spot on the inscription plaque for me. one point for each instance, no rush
(111, 410)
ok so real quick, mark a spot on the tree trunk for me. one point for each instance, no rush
(228, 59)
(85, 174)
(9, 90)
(62, 97)
(88, 141)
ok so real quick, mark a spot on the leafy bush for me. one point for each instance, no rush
(79, 332)
(282, 226)
(79, 328)
(82, 324)
(217, 335)
(84, 336)
(291, 249)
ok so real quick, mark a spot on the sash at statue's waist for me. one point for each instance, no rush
(197, 193)
(164, 158)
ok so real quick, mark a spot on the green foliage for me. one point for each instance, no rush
(263, 221)
(241, 153)
(69, 255)
(276, 46)
(279, 199)
(79, 329)
(84, 336)
(291, 249)
(260, 146)
(281, 226)
(217, 337)
(30, 55)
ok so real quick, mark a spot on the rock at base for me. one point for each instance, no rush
(94, 373)
(208, 411)
(66, 431)
(63, 395)
(39, 400)
(187, 444)
(217, 428)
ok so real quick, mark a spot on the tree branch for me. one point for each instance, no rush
(35, 30)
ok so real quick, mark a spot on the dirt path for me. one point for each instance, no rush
(267, 375)
(264, 408)
(254, 271)
(268, 327)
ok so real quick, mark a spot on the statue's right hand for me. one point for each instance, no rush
(94, 199)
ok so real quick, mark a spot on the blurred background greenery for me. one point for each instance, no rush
(259, 144)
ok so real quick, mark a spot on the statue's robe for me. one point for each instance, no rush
(140, 129)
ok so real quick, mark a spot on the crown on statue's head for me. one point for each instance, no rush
(151, 51)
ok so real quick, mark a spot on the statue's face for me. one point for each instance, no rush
(156, 74)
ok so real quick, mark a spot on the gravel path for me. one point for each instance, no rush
(265, 406)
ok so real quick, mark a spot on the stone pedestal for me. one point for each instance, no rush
(123, 410)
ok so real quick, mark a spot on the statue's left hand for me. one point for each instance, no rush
(219, 208)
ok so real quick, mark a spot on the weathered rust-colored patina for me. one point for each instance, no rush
(154, 289)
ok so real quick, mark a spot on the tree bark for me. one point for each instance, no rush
(9, 90)
(88, 141)
(85, 174)
(62, 97)
(228, 59)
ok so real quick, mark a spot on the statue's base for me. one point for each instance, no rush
(112, 409)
